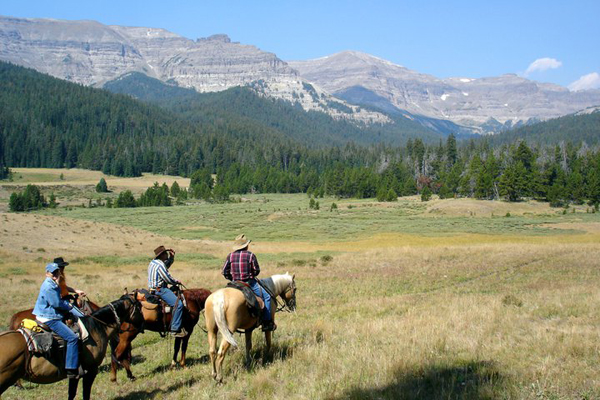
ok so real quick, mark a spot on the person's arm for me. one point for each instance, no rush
(54, 300)
(227, 269)
(166, 276)
(78, 291)
(171, 259)
(254, 265)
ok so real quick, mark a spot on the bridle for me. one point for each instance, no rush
(288, 304)
(117, 324)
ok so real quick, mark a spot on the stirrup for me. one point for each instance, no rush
(269, 327)
(76, 373)
(179, 334)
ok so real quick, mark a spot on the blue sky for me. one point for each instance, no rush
(550, 41)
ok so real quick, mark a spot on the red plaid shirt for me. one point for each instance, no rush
(241, 265)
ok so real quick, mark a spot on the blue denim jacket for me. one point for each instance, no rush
(49, 302)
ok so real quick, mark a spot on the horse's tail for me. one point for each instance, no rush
(219, 314)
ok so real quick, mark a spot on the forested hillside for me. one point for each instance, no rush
(570, 128)
(46, 122)
(244, 106)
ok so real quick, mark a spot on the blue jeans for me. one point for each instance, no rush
(259, 291)
(62, 330)
(169, 297)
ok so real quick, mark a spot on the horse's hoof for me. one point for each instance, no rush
(113, 379)
(132, 378)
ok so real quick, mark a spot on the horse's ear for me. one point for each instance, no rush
(293, 276)
(125, 291)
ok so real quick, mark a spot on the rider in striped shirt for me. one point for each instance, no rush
(158, 279)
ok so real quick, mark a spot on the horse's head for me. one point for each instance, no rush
(289, 294)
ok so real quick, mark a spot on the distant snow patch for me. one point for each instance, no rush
(444, 96)
(466, 80)
(465, 93)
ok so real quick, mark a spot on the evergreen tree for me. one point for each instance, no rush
(125, 200)
(102, 187)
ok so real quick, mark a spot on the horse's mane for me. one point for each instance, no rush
(196, 295)
(277, 283)
(105, 312)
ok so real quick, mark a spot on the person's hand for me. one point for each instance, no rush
(80, 293)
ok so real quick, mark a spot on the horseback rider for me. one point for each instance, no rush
(48, 310)
(242, 265)
(159, 278)
(66, 292)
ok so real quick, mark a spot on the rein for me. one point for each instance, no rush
(278, 306)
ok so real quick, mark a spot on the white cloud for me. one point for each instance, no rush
(543, 64)
(589, 81)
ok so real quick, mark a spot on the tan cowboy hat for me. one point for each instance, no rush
(241, 242)
(159, 250)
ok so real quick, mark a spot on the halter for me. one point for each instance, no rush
(117, 319)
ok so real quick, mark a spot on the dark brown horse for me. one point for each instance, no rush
(153, 321)
(17, 363)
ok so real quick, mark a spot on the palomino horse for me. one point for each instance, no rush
(226, 311)
(195, 299)
(16, 362)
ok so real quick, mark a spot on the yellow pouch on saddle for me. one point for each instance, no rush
(32, 325)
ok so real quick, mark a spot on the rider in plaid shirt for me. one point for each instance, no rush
(242, 265)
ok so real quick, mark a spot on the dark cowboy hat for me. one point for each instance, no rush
(241, 242)
(60, 262)
(159, 250)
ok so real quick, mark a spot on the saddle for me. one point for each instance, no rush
(254, 303)
(43, 342)
(155, 308)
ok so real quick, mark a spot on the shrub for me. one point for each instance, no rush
(30, 199)
(426, 194)
(101, 187)
(125, 200)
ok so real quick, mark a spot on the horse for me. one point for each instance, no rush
(195, 299)
(16, 362)
(17, 318)
(226, 311)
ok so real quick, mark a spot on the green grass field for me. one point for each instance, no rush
(394, 300)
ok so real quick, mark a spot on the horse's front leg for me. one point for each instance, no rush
(175, 352)
(73, 383)
(248, 335)
(184, 345)
(268, 336)
(88, 381)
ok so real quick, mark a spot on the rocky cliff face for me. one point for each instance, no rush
(90, 53)
(487, 104)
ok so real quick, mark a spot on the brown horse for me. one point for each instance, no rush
(195, 299)
(16, 362)
(226, 311)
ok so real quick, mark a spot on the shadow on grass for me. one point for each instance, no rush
(189, 362)
(134, 360)
(477, 380)
(279, 352)
(157, 393)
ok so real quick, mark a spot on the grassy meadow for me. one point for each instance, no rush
(447, 299)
